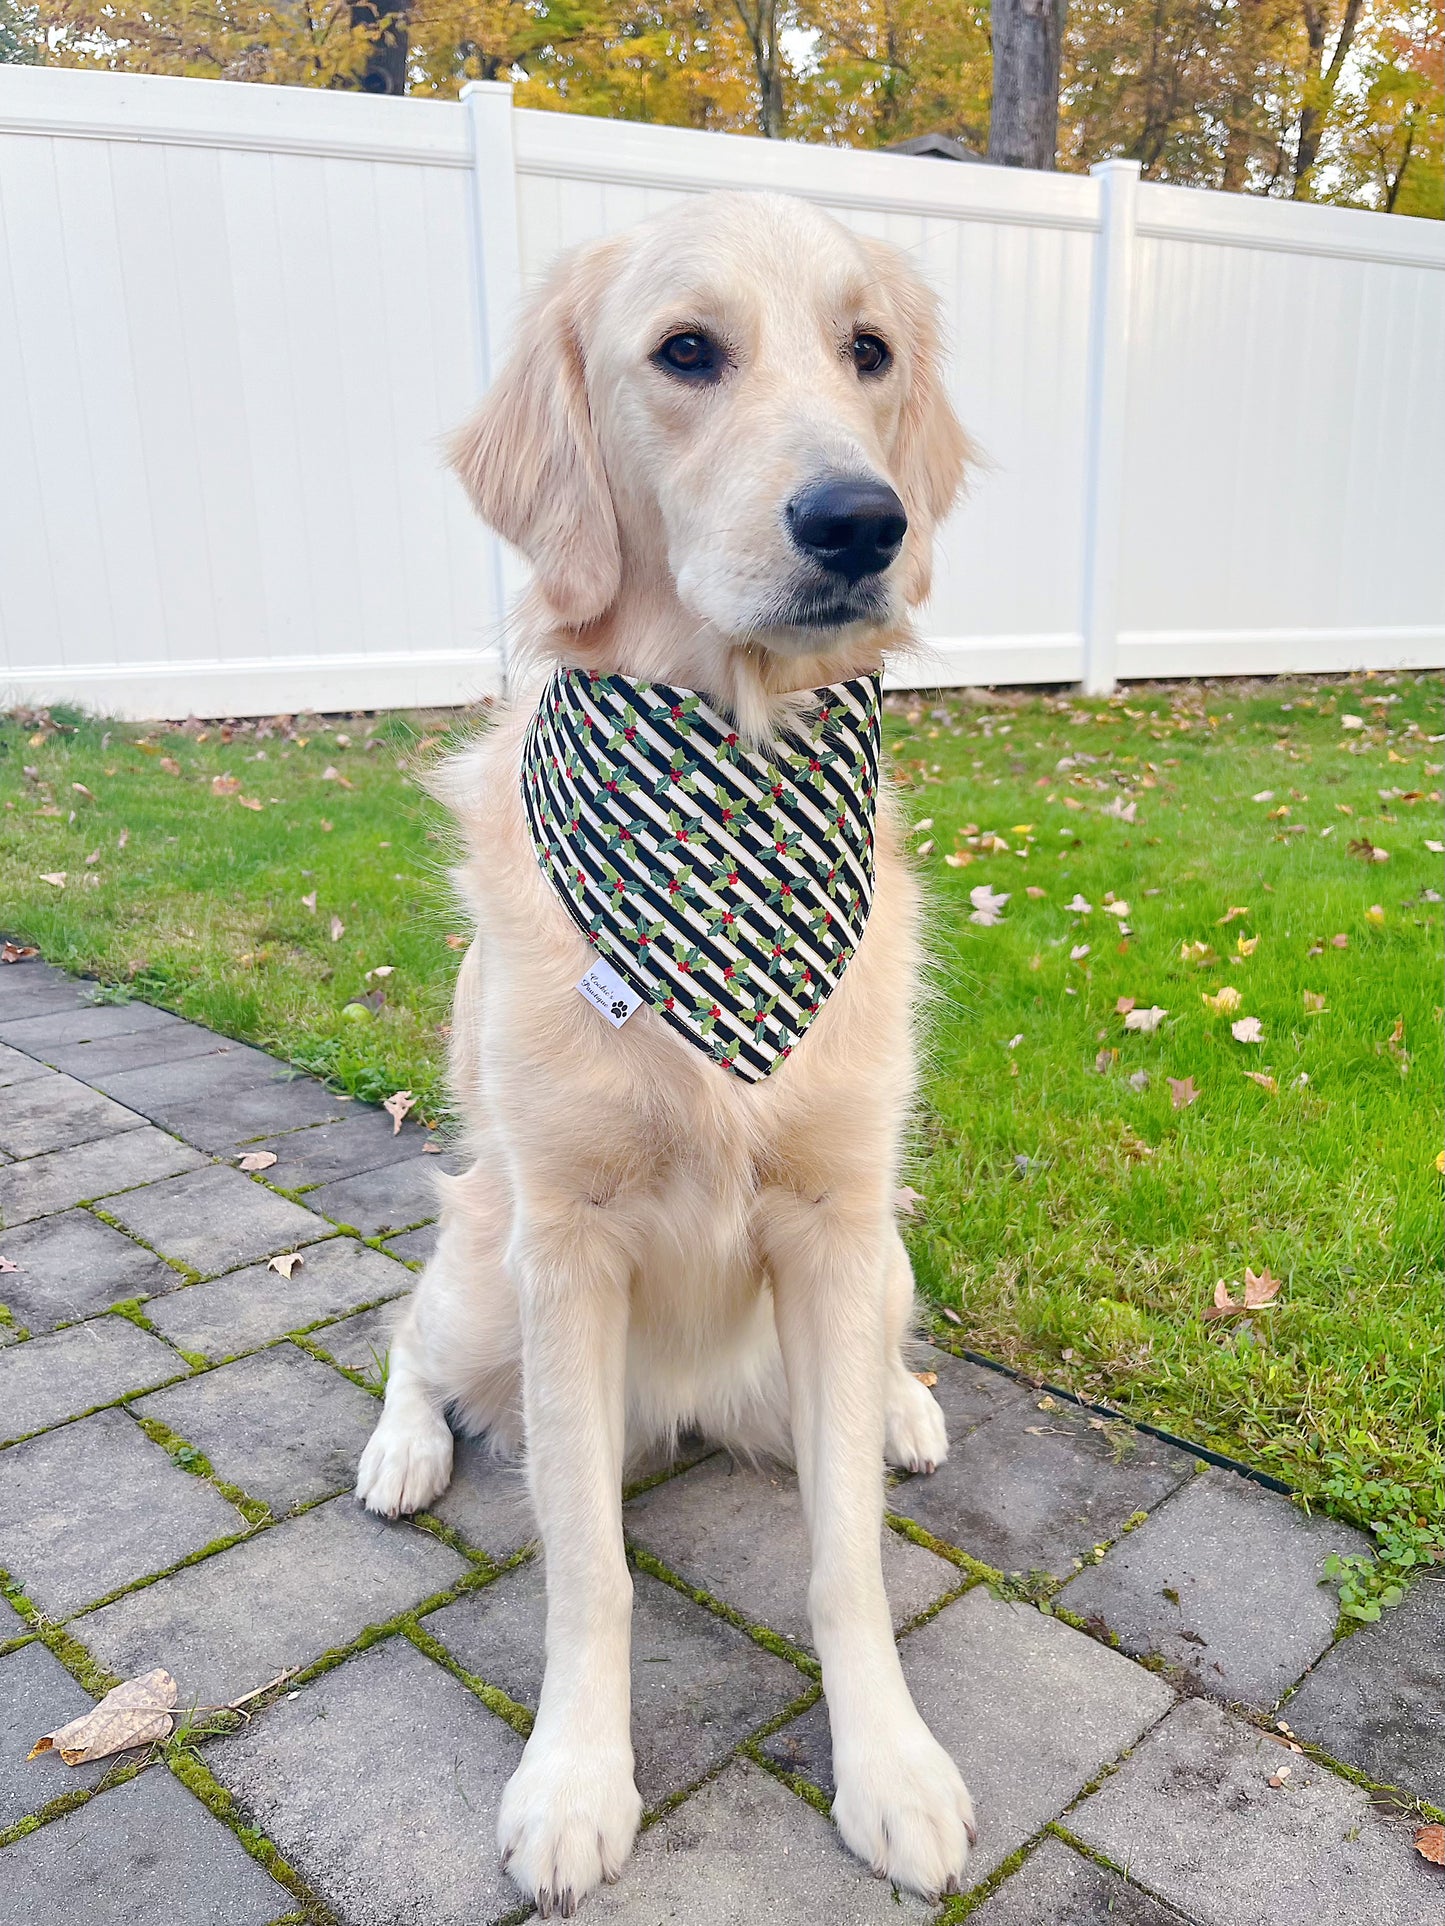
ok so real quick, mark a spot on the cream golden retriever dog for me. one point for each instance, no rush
(723, 444)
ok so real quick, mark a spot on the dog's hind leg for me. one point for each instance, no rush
(457, 1349)
(915, 1437)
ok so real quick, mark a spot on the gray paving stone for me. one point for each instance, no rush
(699, 1687)
(215, 1219)
(414, 1246)
(1377, 1701)
(237, 1118)
(740, 1535)
(1224, 1579)
(362, 1139)
(1040, 1483)
(1031, 1710)
(968, 1393)
(96, 1505)
(247, 1307)
(226, 1069)
(284, 1427)
(59, 1376)
(37, 1694)
(97, 1062)
(744, 1851)
(274, 1602)
(39, 1186)
(380, 1784)
(16, 1067)
(144, 1852)
(1193, 1815)
(360, 1342)
(88, 1024)
(53, 1112)
(1059, 1886)
(393, 1197)
(487, 1502)
(71, 1266)
(30, 994)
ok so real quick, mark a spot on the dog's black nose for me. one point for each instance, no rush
(851, 527)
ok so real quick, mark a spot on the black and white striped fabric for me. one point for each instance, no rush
(728, 886)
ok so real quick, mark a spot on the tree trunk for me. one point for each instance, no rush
(1023, 128)
(385, 69)
(761, 23)
(1320, 87)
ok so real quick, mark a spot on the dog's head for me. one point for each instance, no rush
(737, 405)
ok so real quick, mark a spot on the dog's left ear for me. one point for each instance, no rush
(931, 452)
(530, 458)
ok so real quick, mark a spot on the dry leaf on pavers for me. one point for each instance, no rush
(17, 952)
(258, 1160)
(927, 1379)
(1182, 1092)
(136, 1713)
(1430, 1844)
(1260, 1288)
(1146, 1020)
(396, 1107)
(7, 1265)
(1247, 1030)
(286, 1264)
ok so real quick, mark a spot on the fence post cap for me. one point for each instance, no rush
(481, 89)
(1112, 166)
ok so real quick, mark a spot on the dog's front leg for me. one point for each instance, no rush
(570, 1813)
(901, 1804)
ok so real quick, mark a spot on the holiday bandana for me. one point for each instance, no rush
(727, 886)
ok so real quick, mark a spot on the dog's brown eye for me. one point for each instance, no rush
(695, 355)
(870, 355)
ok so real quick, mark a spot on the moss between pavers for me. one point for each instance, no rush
(67, 1802)
(771, 1641)
(941, 1548)
(507, 1709)
(196, 1777)
(191, 1458)
(186, 1271)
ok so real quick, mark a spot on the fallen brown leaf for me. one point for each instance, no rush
(250, 802)
(135, 1713)
(258, 1160)
(456, 942)
(1233, 913)
(927, 1378)
(396, 1107)
(1430, 1844)
(17, 952)
(1124, 1006)
(1035, 892)
(81, 790)
(1145, 1020)
(55, 877)
(1105, 1061)
(1314, 1003)
(1247, 1030)
(225, 785)
(1260, 1288)
(7, 1265)
(1135, 1148)
(1182, 1092)
(286, 1264)
(1340, 942)
(308, 902)
(170, 765)
(338, 929)
(1265, 1082)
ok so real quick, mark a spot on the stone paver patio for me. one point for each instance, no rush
(1115, 1640)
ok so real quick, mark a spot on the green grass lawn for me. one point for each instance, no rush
(1076, 1215)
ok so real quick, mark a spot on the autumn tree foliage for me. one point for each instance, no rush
(1335, 100)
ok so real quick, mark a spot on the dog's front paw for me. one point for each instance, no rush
(407, 1462)
(569, 1816)
(902, 1807)
(915, 1437)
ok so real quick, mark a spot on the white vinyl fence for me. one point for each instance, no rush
(236, 321)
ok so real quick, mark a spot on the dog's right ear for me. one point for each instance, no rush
(531, 463)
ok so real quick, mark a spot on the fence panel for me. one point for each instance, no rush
(236, 322)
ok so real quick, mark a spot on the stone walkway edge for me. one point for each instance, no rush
(1124, 1639)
